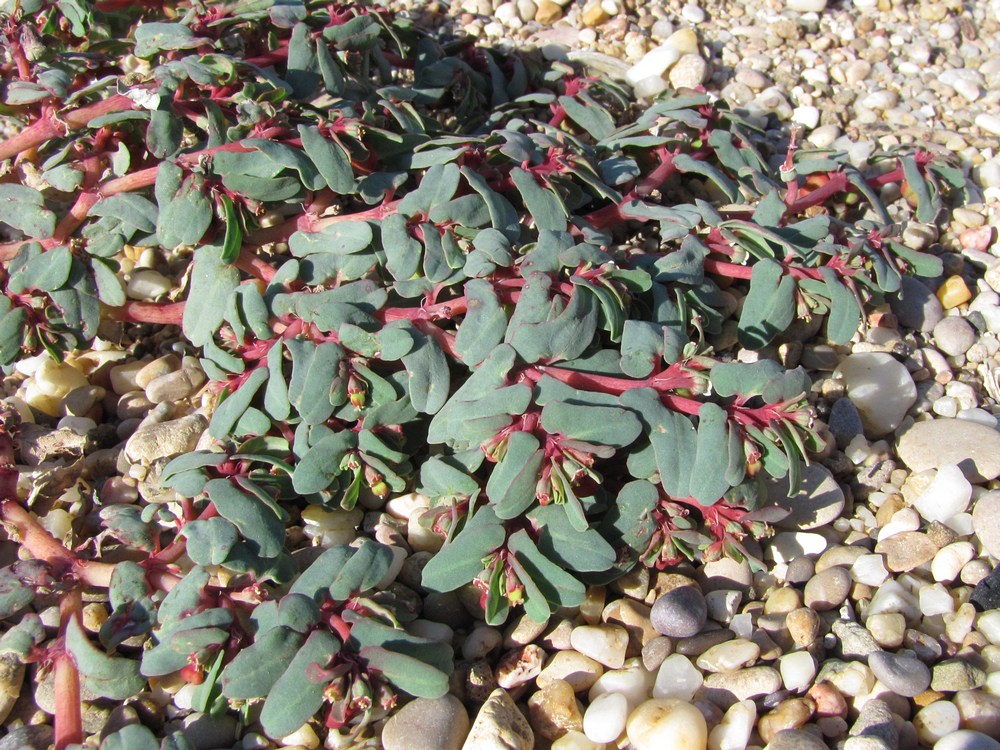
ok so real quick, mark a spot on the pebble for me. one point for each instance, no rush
(603, 643)
(578, 670)
(953, 292)
(954, 674)
(634, 682)
(966, 739)
(828, 589)
(855, 641)
(947, 495)
(726, 688)
(881, 389)
(729, 656)
(986, 521)
(664, 722)
(11, 681)
(795, 739)
(988, 122)
(979, 710)
(797, 670)
(954, 336)
(789, 714)
(806, 6)
(499, 725)
(902, 674)
(887, 628)
(869, 570)
(931, 444)
(165, 439)
(554, 710)
(733, 732)
(803, 626)
(688, 72)
(605, 718)
(875, 720)
(677, 678)
(936, 721)
(906, 550)
(916, 306)
(680, 613)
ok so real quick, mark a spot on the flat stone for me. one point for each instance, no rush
(427, 724)
(819, 501)
(974, 448)
(905, 675)
(500, 725)
(906, 550)
(855, 641)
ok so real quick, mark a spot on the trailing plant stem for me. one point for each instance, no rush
(68, 716)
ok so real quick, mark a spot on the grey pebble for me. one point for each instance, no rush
(845, 422)
(954, 336)
(902, 674)
(425, 724)
(916, 306)
(680, 613)
(855, 641)
(795, 739)
(875, 720)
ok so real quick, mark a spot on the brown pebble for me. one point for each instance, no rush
(553, 710)
(790, 714)
(803, 625)
(906, 551)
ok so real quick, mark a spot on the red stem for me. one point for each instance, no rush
(68, 717)
(49, 126)
(150, 312)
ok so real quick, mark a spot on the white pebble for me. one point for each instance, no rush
(677, 678)
(905, 519)
(988, 623)
(807, 116)
(147, 284)
(949, 561)
(892, 597)
(788, 545)
(633, 682)
(936, 600)
(988, 122)
(870, 570)
(733, 732)
(806, 6)
(798, 669)
(947, 495)
(605, 718)
(304, 736)
(935, 721)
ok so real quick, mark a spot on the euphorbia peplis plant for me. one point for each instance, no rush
(409, 265)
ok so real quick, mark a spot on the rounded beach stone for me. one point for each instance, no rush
(795, 739)
(660, 723)
(880, 387)
(954, 336)
(680, 613)
(916, 306)
(966, 739)
(973, 447)
(827, 590)
(905, 675)
(427, 724)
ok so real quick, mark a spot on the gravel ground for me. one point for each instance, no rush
(875, 625)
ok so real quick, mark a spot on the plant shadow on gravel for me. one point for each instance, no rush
(495, 286)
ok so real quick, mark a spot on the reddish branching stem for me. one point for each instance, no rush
(68, 716)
